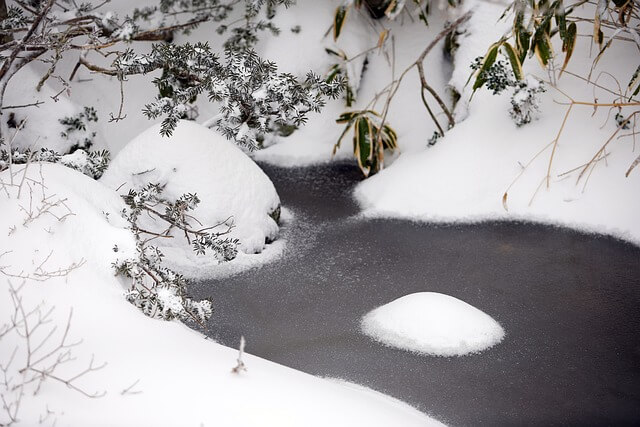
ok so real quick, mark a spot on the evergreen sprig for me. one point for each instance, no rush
(254, 98)
(157, 290)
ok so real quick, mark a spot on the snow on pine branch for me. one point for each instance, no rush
(254, 98)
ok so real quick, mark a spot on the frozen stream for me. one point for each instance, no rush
(569, 302)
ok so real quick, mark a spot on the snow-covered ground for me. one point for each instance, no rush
(64, 230)
(466, 174)
(433, 324)
(464, 177)
(153, 372)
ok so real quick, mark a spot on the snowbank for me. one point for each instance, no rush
(432, 323)
(153, 372)
(197, 160)
(463, 177)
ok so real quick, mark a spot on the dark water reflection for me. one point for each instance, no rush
(568, 302)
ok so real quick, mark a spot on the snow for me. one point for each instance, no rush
(174, 375)
(434, 324)
(197, 160)
(42, 128)
(386, 400)
(464, 176)
(153, 372)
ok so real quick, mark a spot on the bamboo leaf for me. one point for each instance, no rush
(339, 53)
(516, 66)
(347, 116)
(561, 20)
(568, 45)
(487, 62)
(394, 8)
(543, 49)
(606, 46)
(362, 144)
(635, 163)
(382, 38)
(339, 19)
(635, 78)
(333, 72)
(389, 138)
(522, 35)
(598, 36)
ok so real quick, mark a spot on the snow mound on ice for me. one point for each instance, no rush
(432, 323)
(197, 160)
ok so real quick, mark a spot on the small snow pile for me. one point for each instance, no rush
(230, 186)
(432, 323)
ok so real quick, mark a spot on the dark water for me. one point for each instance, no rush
(569, 303)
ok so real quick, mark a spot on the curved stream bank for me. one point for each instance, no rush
(569, 303)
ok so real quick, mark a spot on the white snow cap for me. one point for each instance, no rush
(434, 324)
(198, 160)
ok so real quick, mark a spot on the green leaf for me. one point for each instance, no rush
(389, 138)
(568, 45)
(543, 49)
(333, 72)
(635, 79)
(339, 19)
(516, 66)
(561, 19)
(339, 53)
(522, 35)
(347, 116)
(487, 62)
(363, 144)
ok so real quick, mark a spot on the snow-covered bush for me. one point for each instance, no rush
(497, 77)
(254, 98)
(90, 163)
(524, 101)
(389, 10)
(157, 290)
(197, 160)
(77, 128)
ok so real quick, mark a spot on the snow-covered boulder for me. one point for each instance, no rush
(432, 323)
(197, 160)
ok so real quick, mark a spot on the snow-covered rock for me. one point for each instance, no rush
(197, 160)
(432, 323)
